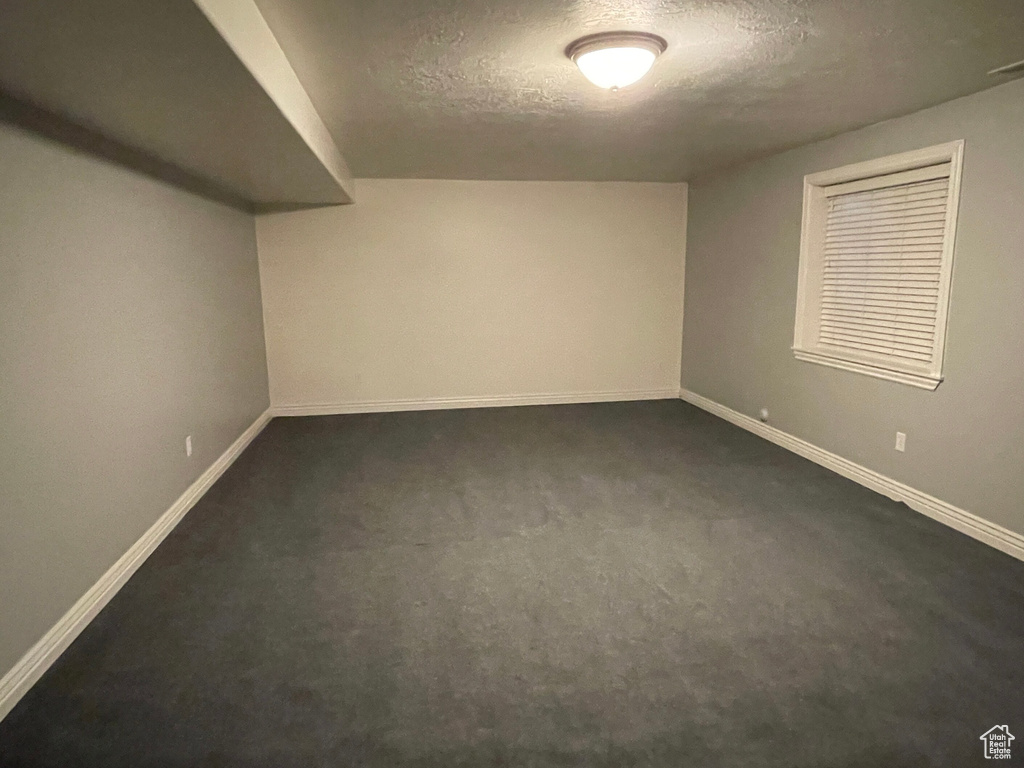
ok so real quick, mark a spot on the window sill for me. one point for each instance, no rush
(920, 380)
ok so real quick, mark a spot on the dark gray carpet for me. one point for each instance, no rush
(635, 584)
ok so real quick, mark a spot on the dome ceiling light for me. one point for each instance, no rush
(616, 59)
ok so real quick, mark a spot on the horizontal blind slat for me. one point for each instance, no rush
(881, 352)
(876, 238)
(915, 304)
(870, 239)
(882, 219)
(886, 268)
(932, 172)
(877, 349)
(898, 273)
(877, 227)
(852, 280)
(918, 204)
(894, 227)
(918, 311)
(872, 250)
(894, 322)
(841, 209)
(873, 260)
(887, 192)
(910, 295)
(918, 208)
(870, 331)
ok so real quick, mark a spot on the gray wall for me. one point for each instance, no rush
(965, 441)
(129, 317)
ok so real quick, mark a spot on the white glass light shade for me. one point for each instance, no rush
(615, 67)
(616, 59)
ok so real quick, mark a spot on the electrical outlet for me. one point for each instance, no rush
(188, 445)
(901, 441)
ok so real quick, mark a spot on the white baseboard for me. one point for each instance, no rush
(40, 656)
(385, 406)
(976, 527)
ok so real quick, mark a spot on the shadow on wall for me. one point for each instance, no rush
(23, 114)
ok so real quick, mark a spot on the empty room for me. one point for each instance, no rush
(524, 383)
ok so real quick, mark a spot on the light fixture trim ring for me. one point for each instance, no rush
(600, 40)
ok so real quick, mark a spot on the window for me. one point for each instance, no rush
(876, 260)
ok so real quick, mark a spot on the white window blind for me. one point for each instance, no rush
(876, 260)
(882, 268)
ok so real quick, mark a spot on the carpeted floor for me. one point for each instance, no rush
(634, 584)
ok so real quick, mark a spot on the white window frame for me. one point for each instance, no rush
(805, 346)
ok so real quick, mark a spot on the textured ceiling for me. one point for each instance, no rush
(481, 89)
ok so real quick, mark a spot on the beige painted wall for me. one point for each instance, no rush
(466, 289)
(129, 318)
(965, 441)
